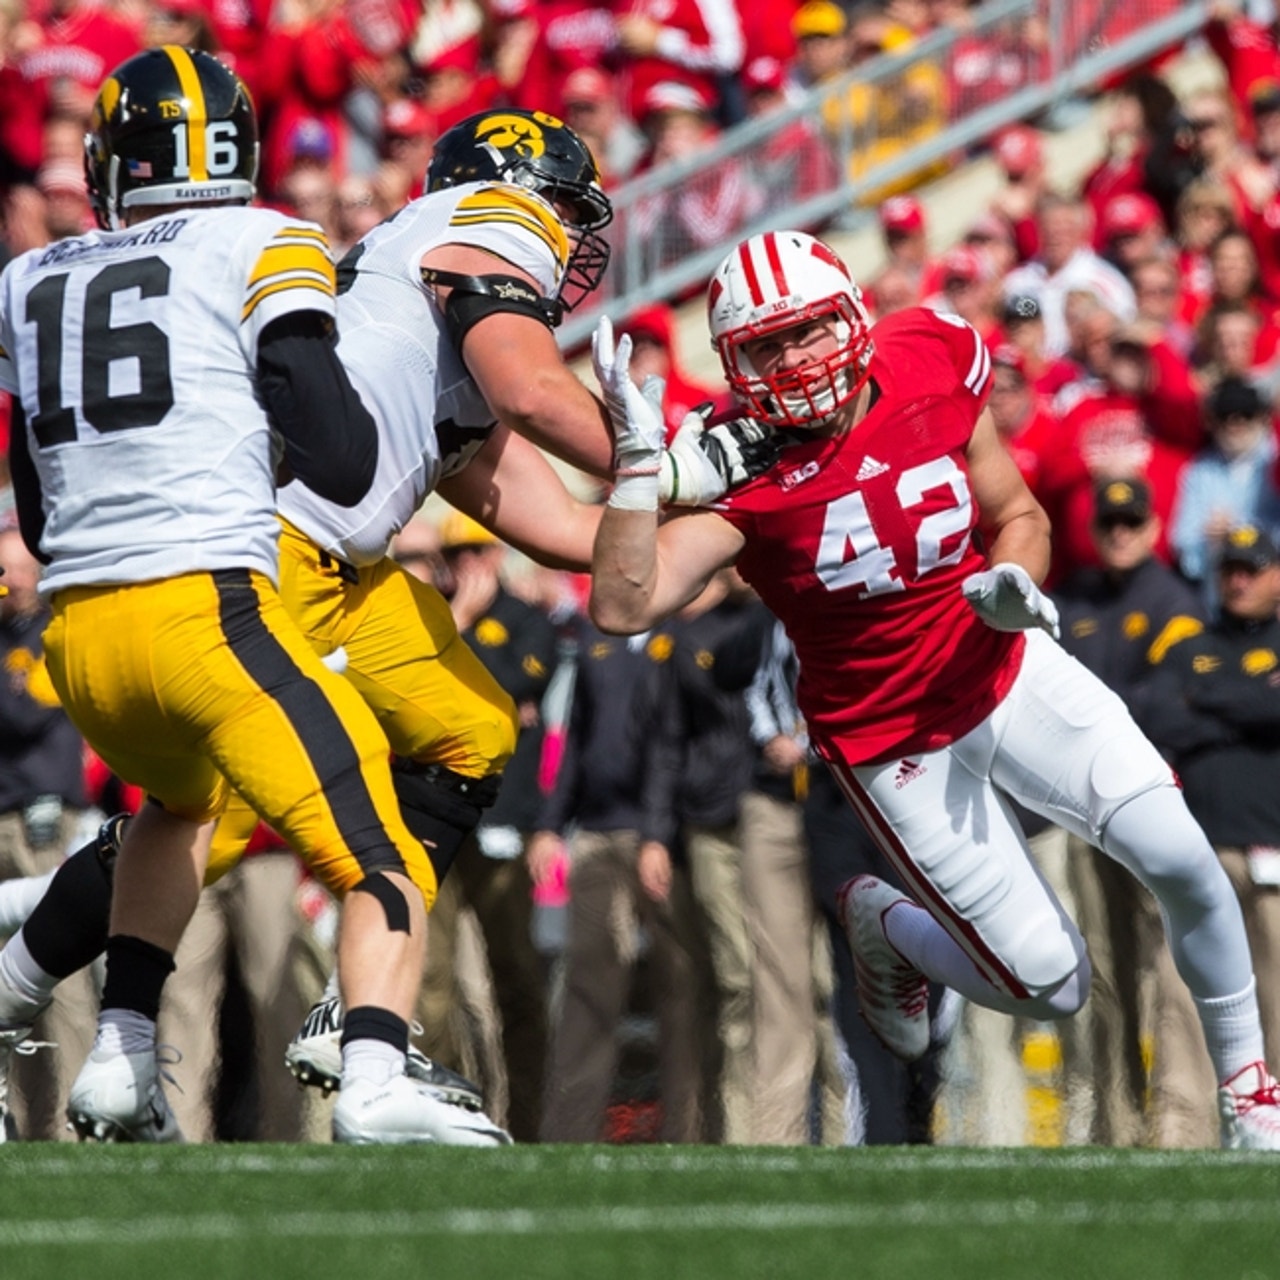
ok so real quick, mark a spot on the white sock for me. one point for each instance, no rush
(124, 1031)
(18, 900)
(373, 1060)
(331, 991)
(1232, 1030)
(25, 988)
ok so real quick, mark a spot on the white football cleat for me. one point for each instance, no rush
(404, 1111)
(892, 992)
(1249, 1110)
(117, 1097)
(314, 1056)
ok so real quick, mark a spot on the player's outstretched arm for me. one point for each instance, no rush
(511, 489)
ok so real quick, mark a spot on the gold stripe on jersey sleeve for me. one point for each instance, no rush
(276, 259)
(509, 204)
(302, 233)
(294, 282)
(197, 112)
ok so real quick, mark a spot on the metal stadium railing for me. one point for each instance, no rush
(884, 126)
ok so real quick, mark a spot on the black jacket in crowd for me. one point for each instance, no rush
(1119, 626)
(601, 780)
(1214, 709)
(40, 749)
(518, 644)
(703, 757)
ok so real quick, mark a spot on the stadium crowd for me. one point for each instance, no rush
(1133, 325)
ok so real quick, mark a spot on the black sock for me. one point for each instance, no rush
(368, 1022)
(136, 973)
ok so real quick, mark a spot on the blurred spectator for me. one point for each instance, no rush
(620, 879)
(518, 644)
(1227, 342)
(967, 287)
(711, 205)
(1247, 49)
(1214, 709)
(1023, 324)
(356, 213)
(1127, 134)
(794, 162)
(311, 192)
(1132, 228)
(66, 199)
(793, 1037)
(871, 122)
(905, 276)
(1142, 419)
(42, 802)
(1205, 212)
(697, 43)
(1022, 420)
(593, 110)
(1065, 262)
(407, 140)
(988, 65)
(654, 354)
(1117, 619)
(1229, 482)
(1019, 155)
(181, 22)
(1157, 289)
(992, 236)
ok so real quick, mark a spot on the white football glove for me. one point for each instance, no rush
(1005, 598)
(638, 432)
(703, 463)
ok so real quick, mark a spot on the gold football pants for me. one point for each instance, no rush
(435, 700)
(187, 684)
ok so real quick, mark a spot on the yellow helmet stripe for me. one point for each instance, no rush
(197, 111)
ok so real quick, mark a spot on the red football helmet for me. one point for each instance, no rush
(771, 282)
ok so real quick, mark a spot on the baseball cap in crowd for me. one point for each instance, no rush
(459, 530)
(763, 75)
(902, 215)
(1007, 356)
(61, 178)
(1017, 150)
(1235, 398)
(1122, 502)
(406, 118)
(510, 10)
(1264, 97)
(672, 95)
(988, 227)
(310, 140)
(1130, 214)
(586, 85)
(1020, 307)
(962, 264)
(1248, 545)
(818, 18)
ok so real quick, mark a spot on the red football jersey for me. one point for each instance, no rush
(859, 545)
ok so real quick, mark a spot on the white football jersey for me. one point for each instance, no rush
(133, 353)
(392, 340)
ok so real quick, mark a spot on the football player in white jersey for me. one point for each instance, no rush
(460, 292)
(158, 367)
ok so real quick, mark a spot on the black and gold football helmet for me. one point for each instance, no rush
(534, 150)
(170, 126)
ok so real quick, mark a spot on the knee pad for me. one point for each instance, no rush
(394, 905)
(1053, 967)
(441, 807)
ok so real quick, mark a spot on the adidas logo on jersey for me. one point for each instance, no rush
(870, 468)
(908, 770)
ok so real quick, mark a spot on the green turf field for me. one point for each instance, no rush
(278, 1212)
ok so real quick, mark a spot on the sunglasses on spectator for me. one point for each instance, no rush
(1201, 123)
(1123, 522)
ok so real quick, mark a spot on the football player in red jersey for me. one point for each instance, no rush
(900, 547)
